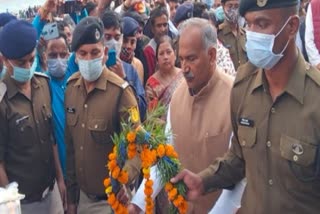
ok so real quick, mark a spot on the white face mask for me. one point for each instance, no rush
(259, 48)
(113, 44)
(57, 67)
(91, 69)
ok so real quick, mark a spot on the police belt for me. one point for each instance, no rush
(40, 196)
(97, 197)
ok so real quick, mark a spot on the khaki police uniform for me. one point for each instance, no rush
(91, 121)
(206, 130)
(26, 140)
(275, 143)
(235, 44)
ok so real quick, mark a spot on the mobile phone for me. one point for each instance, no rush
(112, 58)
(50, 31)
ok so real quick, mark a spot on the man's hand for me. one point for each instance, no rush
(134, 209)
(123, 195)
(63, 193)
(118, 69)
(318, 66)
(193, 181)
(72, 209)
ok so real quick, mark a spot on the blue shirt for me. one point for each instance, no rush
(131, 77)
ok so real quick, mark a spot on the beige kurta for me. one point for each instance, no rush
(201, 125)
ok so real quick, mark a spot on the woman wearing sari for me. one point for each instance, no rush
(162, 84)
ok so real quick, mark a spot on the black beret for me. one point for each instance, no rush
(88, 31)
(5, 18)
(184, 11)
(18, 38)
(130, 26)
(256, 5)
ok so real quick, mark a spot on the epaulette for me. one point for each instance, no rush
(3, 90)
(313, 73)
(74, 76)
(116, 80)
(41, 75)
(245, 71)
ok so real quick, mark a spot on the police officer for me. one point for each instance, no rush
(96, 100)
(231, 34)
(275, 119)
(28, 153)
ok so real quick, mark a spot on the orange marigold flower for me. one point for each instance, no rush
(106, 182)
(146, 176)
(131, 137)
(123, 177)
(111, 199)
(115, 172)
(115, 205)
(178, 201)
(148, 191)
(168, 186)
(148, 200)
(183, 207)
(149, 183)
(169, 150)
(112, 156)
(131, 153)
(112, 164)
(132, 146)
(161, 150)
(172, 194)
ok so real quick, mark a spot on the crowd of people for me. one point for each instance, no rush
(238, 79)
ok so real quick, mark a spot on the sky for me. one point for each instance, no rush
(16, 5)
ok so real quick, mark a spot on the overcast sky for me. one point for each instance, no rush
(16, 5)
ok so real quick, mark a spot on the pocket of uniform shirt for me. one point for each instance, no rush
(247, 136)
(98, 130)
(297, 151)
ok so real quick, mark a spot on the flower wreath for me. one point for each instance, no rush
(149, 140)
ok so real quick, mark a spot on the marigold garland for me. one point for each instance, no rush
(152, 151)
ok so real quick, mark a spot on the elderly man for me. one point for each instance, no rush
(28, 153)
(205, 93)
(275, 119)
(96, 100)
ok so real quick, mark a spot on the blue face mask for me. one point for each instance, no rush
(219, 13)
(3, 72)
(57, 67)
(90, 69)
(23, 75)
(260, 49)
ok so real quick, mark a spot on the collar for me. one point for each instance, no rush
(101, 82)
(296, 84)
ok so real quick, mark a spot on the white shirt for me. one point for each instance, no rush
(312, 51)
(228, 202)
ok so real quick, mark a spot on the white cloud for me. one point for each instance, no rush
(16, 5)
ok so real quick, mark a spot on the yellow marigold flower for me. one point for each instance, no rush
(111, 199)
(108, 190)
(111, 165)
(172, 194)
(131, 137)
(123, 177)
(115, 172)
(106, 182)
(161, 150)
(146, 170)
(112, 156)
(168, 186)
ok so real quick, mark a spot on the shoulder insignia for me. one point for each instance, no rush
(125, 85)
(74, 76)
(3, 90)
(41, 75)
(262, 3)
(116, 80)
(313, 73)
(134, 114)
(245, 71)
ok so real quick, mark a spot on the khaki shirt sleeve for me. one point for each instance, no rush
(128, 101)
(73, 189)
(226, 172)
(3, 132)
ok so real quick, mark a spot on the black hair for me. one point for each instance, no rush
(198, 9)
(90, 6)
(157, 12)
(210, 15)
(111, 19)
(164, 39)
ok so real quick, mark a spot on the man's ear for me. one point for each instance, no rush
(294, 25)
(212, 53)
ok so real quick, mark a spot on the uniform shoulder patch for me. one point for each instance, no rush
(3, 90)
(74, 76)
(116, 80)
(313, 73)
(41, 75)
(125, 85)
(245, 71)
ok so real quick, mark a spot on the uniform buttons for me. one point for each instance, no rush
(85, 106)
(82, 125)
(96, 126)
(243, 143)
(81, 147)
(270, 182)
(273, 110)
(37, 122)
(269, 144)
(295, 158)
(42, 141)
